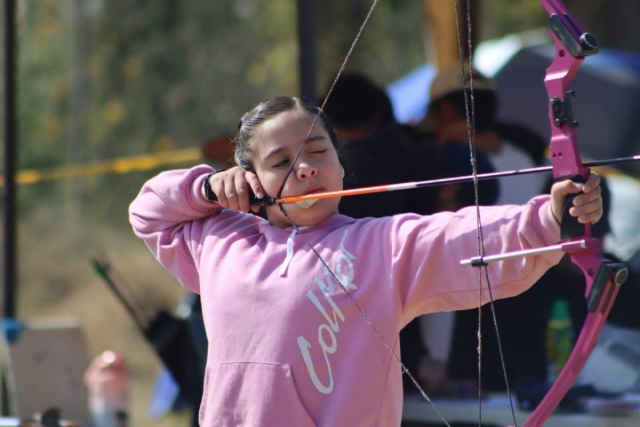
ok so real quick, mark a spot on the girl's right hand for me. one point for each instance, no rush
(233, 188)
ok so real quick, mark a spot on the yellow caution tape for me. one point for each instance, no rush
(120, 166)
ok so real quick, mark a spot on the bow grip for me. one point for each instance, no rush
(569, 225)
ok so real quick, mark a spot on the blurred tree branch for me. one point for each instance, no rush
(613, 22)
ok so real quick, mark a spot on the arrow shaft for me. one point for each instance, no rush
(564, 247)
(444, 181)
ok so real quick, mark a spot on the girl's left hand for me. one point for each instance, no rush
(587, 206)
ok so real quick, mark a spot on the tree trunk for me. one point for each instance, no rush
(77, 107)
(446, 35)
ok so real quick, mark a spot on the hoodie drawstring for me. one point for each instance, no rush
(287, 260)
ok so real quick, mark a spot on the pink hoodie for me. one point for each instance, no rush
(287, 347)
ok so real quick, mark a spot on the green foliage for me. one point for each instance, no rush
(104, 79)
(44, 57)
(390, 46)
(502, 17)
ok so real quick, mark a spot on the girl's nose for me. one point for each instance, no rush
(306, 170)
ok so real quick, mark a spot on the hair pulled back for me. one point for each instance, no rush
(263, 112)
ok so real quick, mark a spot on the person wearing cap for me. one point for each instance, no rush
(508, 146)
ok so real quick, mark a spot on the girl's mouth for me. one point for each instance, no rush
(306, 204)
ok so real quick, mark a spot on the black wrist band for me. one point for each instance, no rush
(208, 192)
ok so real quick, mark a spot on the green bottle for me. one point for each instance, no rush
(560, 338)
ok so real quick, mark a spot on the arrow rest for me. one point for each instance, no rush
(562, 112)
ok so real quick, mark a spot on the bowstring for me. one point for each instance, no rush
(469, 106)
(324, 102)
(403, 367)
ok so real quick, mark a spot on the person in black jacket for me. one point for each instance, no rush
(379, 151)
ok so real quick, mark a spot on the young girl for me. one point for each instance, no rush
(287, 346)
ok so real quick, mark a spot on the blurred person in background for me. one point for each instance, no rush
(508, 146)
(378, 151)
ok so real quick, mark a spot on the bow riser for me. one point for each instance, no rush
(563, 147)
(603, 278)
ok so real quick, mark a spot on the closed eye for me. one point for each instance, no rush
(281, 163)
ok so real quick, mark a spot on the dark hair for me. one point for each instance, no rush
(356, 101)
(266, 110)
(485, 103)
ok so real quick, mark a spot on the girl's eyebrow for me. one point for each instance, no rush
(312, 138)
(274, 152)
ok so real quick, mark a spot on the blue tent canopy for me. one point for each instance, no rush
(410, 94)
(607, 101)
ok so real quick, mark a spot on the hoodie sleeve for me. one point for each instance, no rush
(426, 254)
(169, 215)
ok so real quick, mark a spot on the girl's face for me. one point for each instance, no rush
(317, 169)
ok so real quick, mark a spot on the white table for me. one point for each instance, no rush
(15, 422)
(497, 411)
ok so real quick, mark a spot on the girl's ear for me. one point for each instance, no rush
(342, 169)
